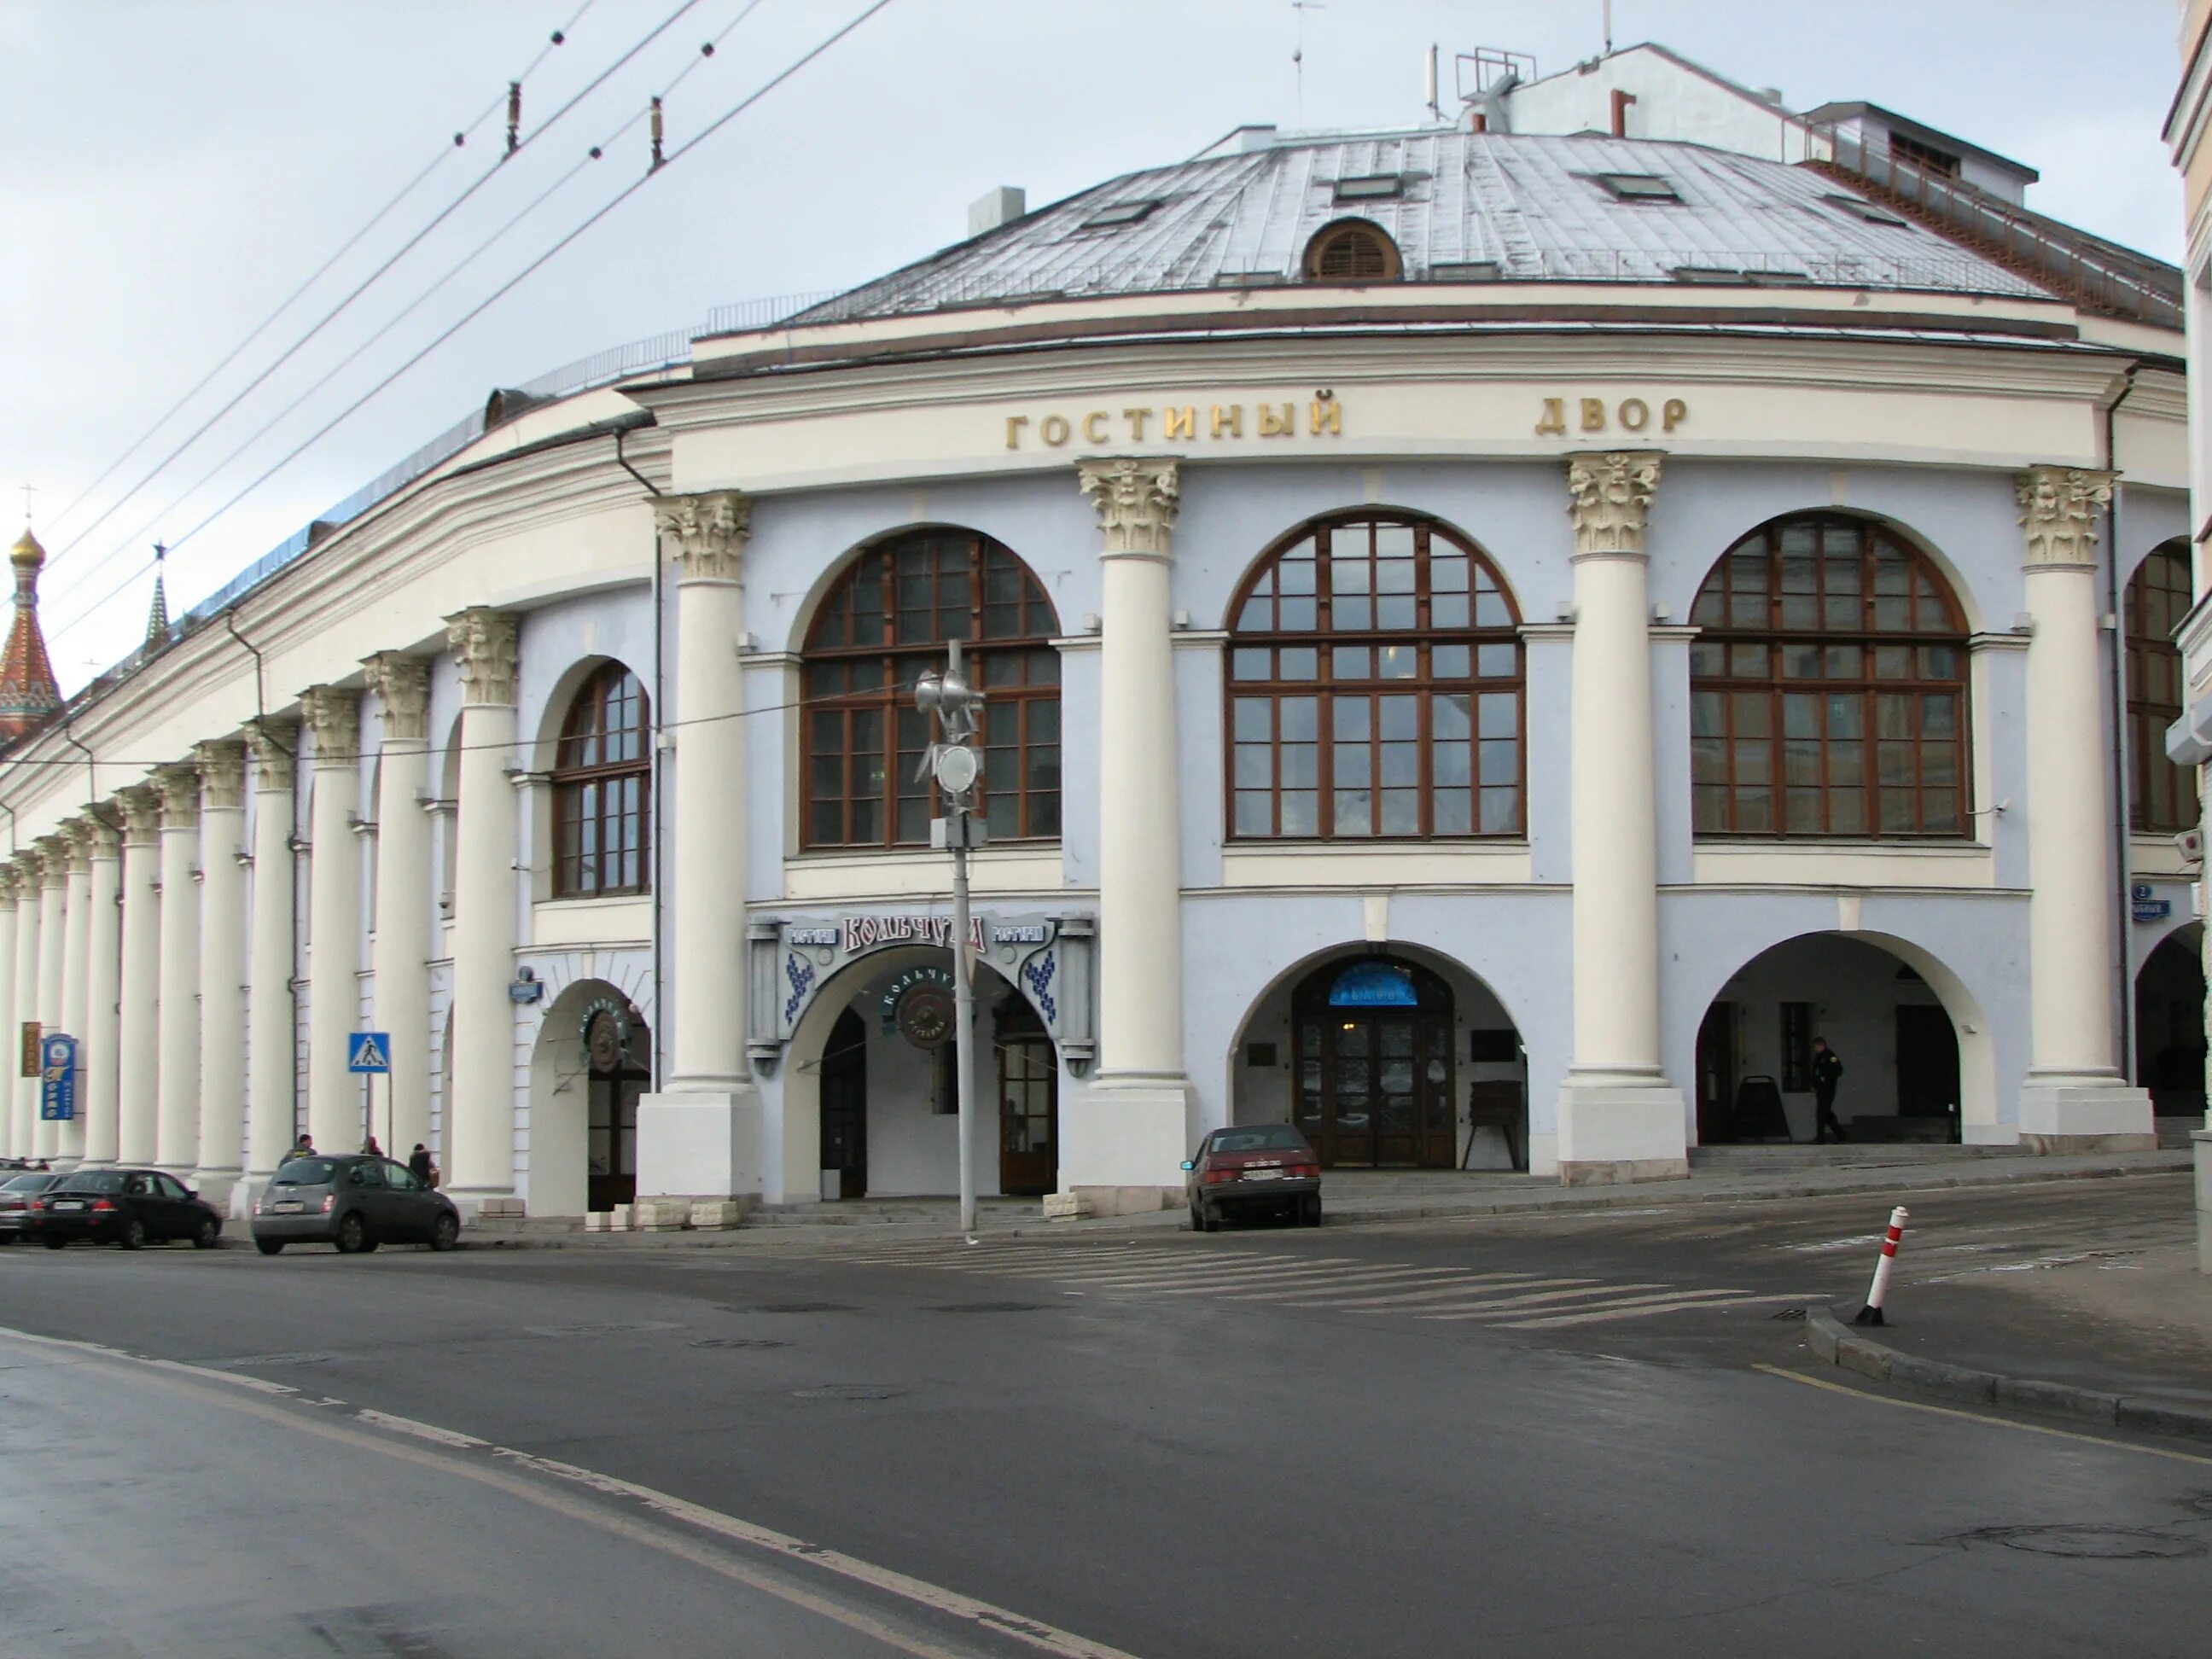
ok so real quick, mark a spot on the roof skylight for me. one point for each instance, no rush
(1371, 187)
(1120, 213)
(1638, 186)
(1859, 207)
(1466, 270)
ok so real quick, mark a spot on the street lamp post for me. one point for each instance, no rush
(954, 764)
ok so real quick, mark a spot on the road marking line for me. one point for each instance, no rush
(1637, 1307)
(429, 1432)
(1377, 1276)
(1436, 1294)
(1492, 1306)
(1196, 1270)
(472, 1465)
(1315, 1279)
(1867, 1394)
(1206, 1280)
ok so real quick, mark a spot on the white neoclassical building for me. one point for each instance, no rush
(1493, 641)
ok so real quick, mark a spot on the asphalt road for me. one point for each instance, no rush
(1543, 1436)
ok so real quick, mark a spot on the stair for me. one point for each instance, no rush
(1778, 1158)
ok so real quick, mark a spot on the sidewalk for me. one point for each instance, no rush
(1352, 1199)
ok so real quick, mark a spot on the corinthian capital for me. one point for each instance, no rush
(178, 786)
(105, 834)
(53, 860)
(708, 531)
(77, 833)
(274, 746)
(142, 813)
(1609, 495)
(1136, 497)
(333, 714)
(2057, 509)
(401, 685)
(484, 644)
(222, 767)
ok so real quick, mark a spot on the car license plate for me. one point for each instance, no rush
(1263, 1175)
(288, 1206)
(69, 1204)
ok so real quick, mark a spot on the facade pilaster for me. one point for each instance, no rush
(53, 899)
(479, 1121)
(702, 1135)
(2076, 1098)
(1132, 1125)
(30, 882)
(8, 1014)
(222, 769)
(1618, 1118)
(271, 1033)
(139, 1062)
(99, 1087)
(76, 938)
(177, 1090)
(334, 1094)
(400, 953)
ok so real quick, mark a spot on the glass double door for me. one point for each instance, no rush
(1375, 1087)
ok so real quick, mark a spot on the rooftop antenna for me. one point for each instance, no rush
(1298, 53)
(29, 490)
(1429, 85)
(1606, 10)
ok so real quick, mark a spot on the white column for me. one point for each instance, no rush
(1132, 1126)
(2075, 1098)
(480, 1101)
(177, 1090)
(1618, 1118)
(53, 853)
(76, 933)
(30, 881)
(701, 1136)
(333, 917)
(138, 1061)
(400, 954)
(272, 1080)
(222, 1151)
(100, 1078)
(7, 1013)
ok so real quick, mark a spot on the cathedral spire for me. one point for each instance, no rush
(157, 618)
(28, 695)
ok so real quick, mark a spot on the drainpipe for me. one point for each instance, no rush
(91, 765)
(653, 818)
(2123, 832)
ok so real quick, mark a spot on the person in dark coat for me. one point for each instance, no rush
(420, 1166)
(1826, 1068)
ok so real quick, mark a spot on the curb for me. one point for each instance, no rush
(1842, 1347)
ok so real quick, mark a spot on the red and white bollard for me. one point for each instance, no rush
(1871, 1314)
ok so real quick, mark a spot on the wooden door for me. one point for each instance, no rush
(1927, 1063)
(1717, 1074)
(1028, 1115)
(845, 1104)
(1374, 1085)
(612, 1146)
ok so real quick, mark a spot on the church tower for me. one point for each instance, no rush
(28, 695)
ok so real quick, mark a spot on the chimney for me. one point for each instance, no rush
(995, 207)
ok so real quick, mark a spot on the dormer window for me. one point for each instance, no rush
(1859, 207)
(1120, 213)
(1371, 187)
(1352, 250)
(1638, 187)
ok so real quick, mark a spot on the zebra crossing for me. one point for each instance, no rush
(1343, 1284)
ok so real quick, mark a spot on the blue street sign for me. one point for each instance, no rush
(368, 1051)
(56, 1077)
(2153, 909)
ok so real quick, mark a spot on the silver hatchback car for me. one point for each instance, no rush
(354, 1200)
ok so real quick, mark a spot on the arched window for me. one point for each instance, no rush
(2162, 796)
(1352, 250)
(1827, 687)
(602, 788)
(887, 619)
(1375, 687)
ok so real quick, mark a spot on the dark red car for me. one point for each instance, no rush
(1255, 1166)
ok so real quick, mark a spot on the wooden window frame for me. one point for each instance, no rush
(1330, 687)
(578, 873)
(1390, 267)
(1740, 689)
(863, 689)
(2151, 655)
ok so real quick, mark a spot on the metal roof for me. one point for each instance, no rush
(1533, 205)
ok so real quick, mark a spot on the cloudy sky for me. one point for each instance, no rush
(171, 170)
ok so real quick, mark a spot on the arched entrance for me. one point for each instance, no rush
(592, 1062)
(615, 1044)
(2170, 1026)
(1372, 1060)
(1887, 1011)
(845, 1108)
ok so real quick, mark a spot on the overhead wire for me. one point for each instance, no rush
(405, 248)
(678, 153)
(596, 152)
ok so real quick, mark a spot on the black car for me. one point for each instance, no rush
(354, 1200)
(16, 1191)
(129, 1207)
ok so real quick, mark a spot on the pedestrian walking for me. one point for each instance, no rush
(1826, 1068)
(420, 1166)
(303, 1147)
(371, 1148)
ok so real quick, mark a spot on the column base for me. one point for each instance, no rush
(2086, 1113)
(700, 1144)
(1613, 1130)
(1122, 1143)
(239, 1205)
(2201, 1139)
(213, 1185)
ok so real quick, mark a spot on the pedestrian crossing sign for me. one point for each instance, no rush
(369, 1051)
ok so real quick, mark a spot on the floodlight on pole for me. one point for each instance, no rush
(957, 768)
